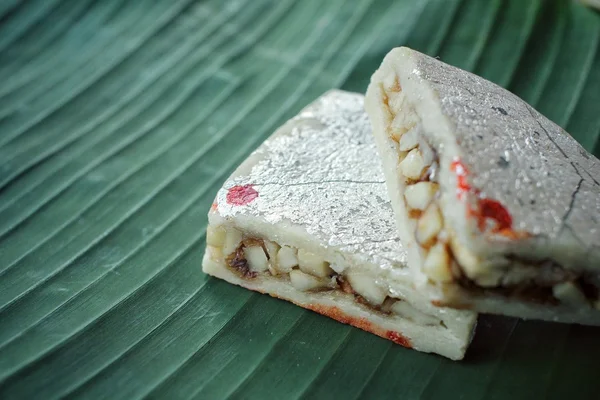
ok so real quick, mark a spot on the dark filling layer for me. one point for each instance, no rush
(237, 262)
(523, 292)
(590, 285)
(539, 290)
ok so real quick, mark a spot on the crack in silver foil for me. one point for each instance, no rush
(542, 175)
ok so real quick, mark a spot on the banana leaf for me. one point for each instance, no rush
(119, 120)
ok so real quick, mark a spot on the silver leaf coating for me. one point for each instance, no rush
(323, 175)
(549, 183)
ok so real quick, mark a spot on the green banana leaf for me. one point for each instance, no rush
(119, 120)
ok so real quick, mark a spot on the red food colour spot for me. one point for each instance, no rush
(398, 339)
(493, 209)
(461, 174)
(241, 195)
(214, 206)
(487, 208)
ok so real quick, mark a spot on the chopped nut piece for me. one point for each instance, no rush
(388, 304)
(306, 282)
(237, 261)
(272, 249)
(286, 259)
(398, 134)
(409, 140)
(233, 239)
(396, 101)
(473, 268)
(273, 270)
(569, 293)
(313, 264)
(419, 195)
(519, 273)
(429, 225)
(404, 309)
(215, 236)
(257, 259)
(406, 119)
(426, 153)
(489, 279)
(216, 253)
(437, 264)
(413, 165)
(465, 258)
(363, 284)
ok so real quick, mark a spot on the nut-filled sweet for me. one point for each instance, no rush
(449, 196)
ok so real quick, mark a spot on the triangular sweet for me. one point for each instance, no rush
(497, 206)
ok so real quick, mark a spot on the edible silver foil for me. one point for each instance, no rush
(324, 176)
(549, 183)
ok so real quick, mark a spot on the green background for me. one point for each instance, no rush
(119, 120)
